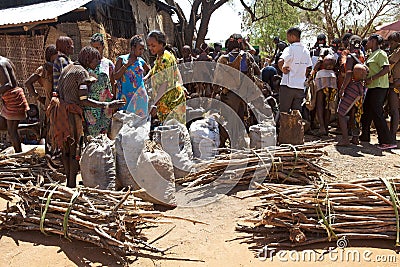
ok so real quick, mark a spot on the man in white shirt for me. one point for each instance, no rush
(295, 63)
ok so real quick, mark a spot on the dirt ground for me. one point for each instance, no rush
(216, 243)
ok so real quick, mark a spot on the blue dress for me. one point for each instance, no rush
(131, 89)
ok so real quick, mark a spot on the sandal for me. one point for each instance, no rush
(387, 146)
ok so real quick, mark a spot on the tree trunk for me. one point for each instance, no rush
(329, 20)
(208, 8)
(191, 26)
(203, 30)
(180, 34)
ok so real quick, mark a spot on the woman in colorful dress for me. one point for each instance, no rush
(168, 93)
(98, 121)
(129, 72)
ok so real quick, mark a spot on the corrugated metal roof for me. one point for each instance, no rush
(38, 12)
(394, 26)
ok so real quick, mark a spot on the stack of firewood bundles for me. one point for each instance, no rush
(283, 164)
(109, 219)
(27, 167)
(295, 215)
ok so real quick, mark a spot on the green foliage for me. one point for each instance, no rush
(271, 18)
(278, 16)
(361, 17)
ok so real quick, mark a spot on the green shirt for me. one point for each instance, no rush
(375, 63)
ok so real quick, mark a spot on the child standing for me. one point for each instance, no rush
(98, 121)
(326, 91)
(44, 76)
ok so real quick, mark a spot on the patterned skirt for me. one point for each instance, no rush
(352, 95)
(172, 105)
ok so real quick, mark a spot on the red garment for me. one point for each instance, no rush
(66, 121)
(15, 105)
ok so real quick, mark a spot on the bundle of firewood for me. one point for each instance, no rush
(295, 215)
(21, 168)
(284, 164)
(109, 219)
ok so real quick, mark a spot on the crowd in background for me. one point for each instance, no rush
(349, 79)
(348, 82)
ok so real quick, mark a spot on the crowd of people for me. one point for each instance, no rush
(81, 97)
(348, 80)
(352, 81)
(352, 78)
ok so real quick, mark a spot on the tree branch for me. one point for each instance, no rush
(178, 11)
(252, 13)
(299, 5)
(218, 5)
(377, 13)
